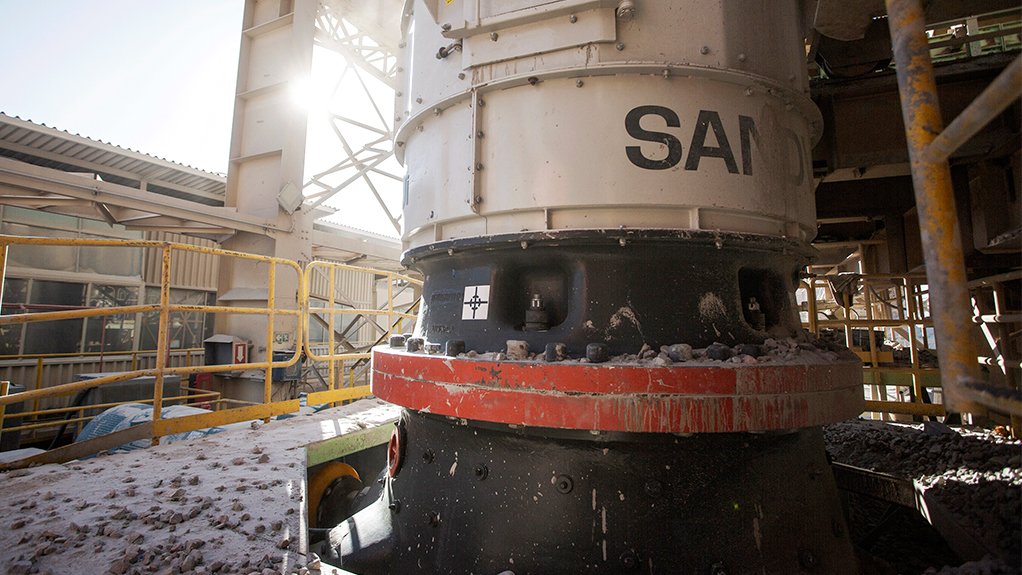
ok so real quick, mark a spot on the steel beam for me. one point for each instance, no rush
(27, 178)
(1004, 90)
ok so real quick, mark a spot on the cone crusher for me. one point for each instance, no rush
(610, 204)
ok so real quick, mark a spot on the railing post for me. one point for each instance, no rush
(938, 219)
(38, 381)
(271, 296)
(163, 339)
(811, 304)
(4, 387)
(3, 271)
(390, 304)
(331, 330)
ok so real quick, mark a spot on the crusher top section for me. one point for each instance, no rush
(530, 116)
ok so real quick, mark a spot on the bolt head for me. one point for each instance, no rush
(597, 352)
(481, 472)
(807, 559)
(629, 560)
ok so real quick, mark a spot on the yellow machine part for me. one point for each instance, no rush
(321, 481)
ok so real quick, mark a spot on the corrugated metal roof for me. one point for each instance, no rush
(41, 145)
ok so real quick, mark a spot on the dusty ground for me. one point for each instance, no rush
(229, 503)
(234, 502)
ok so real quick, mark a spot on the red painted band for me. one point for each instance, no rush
(678, 399)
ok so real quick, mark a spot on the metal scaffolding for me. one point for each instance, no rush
(358, 114)
(930, 145)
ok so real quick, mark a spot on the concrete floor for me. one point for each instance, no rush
(229, 503)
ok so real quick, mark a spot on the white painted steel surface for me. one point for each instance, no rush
(568, 115)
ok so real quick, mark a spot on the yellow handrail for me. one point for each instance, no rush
(81, 408)
(23, 356)
(161, 369)
(909, 316)
(331, 310)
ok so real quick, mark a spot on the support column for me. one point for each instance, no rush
(267, 163)
(938, 217)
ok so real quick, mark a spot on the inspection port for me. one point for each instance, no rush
(764, 298)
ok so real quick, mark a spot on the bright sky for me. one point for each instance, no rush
(157, 76)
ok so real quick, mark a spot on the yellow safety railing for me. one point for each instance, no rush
(225, 410)
(160, 426)
(899, 305)
(893, 304)
(38, 363)
(331, 311)
(930, 145)
(194, 398)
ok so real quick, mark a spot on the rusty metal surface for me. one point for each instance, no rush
(938, 219)
(632, 398)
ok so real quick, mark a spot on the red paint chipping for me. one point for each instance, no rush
(677, 399)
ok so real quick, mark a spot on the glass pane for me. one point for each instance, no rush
(42, 257)
(187, 330)
(48, 295)
(110, 260)
(62, 336)
(115, 332)
(15, 292)
(150, 321)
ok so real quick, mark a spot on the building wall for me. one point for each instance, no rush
(45, 278)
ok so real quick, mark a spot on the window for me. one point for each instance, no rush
(64, 336)
(112, 332)
(15, 292)
(187, 330)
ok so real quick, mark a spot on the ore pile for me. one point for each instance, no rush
(976, 474)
